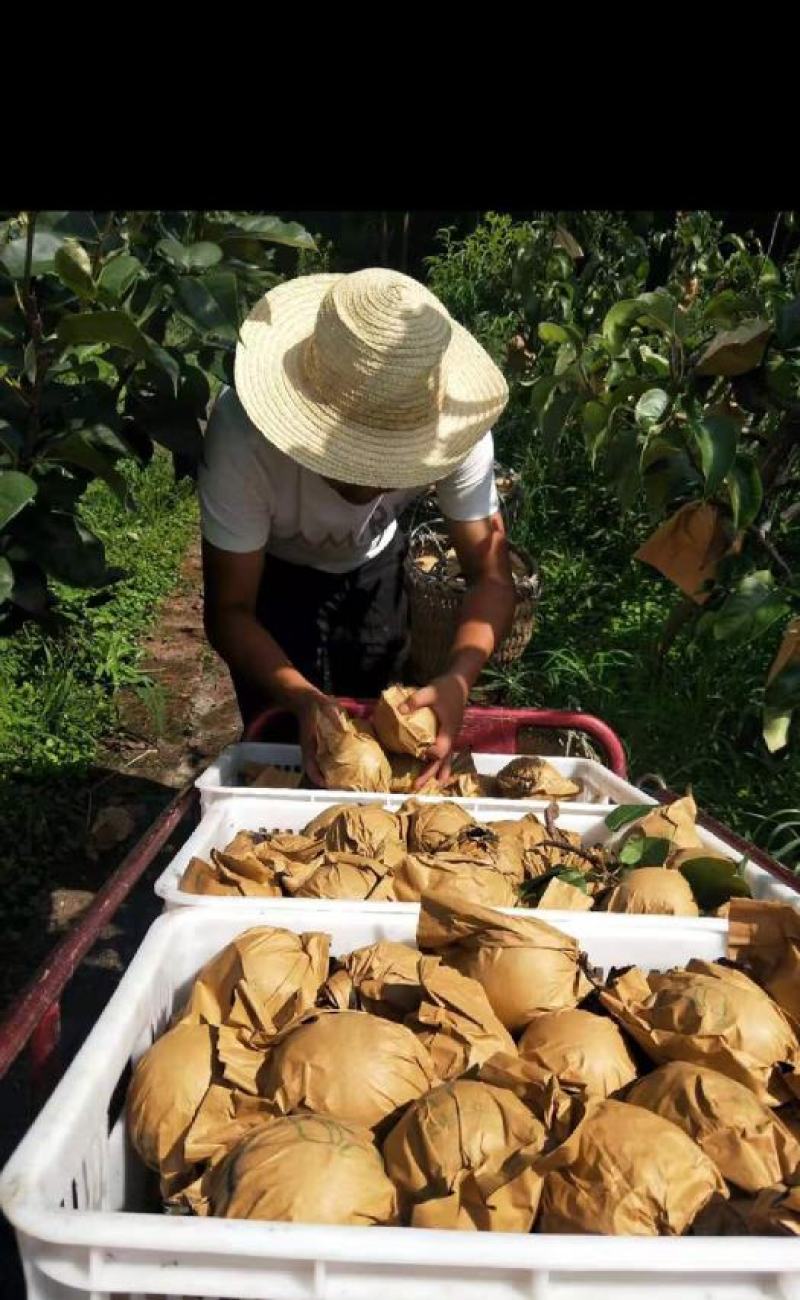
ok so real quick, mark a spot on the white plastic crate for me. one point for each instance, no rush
(73, 1188)
(244, 810)
(219, 779)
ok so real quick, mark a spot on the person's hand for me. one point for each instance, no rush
(447, 696)
(307, 710)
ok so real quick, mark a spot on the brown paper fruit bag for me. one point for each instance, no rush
(561, 896)
(653, 891)
(202, 878)
(447, 873)
(461, 1157)
(525, 966)
(350, 1065)
(674, 822)
(625, 1171)
(454, 1020)
(433, 826)
(261, 982)
(304, 1169)
(766, 938)
(166, 1090)
(747, 1142)
(709, 1015)
(403, 733)
(346, 875)
(526, 777)
(584, 1052)
(383, 979)
(349, 758)
(368, 832)
(688, 547)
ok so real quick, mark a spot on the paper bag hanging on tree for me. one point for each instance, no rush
(688, 547)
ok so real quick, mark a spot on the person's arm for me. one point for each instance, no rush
(231, 582)
(486, 616)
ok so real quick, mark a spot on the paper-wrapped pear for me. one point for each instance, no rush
(370, 832)
(674, 822)
(446, 873)
(585, 1052)
(747, 1142)
(526, 777)
(347, 1064)
(260, 982)
(434, 826)
(348, 757)
(168, 1084)
(455, 1020)
(462, 1156)
(766, 937)
(524, 965)
(653, 891)
(382, 978)
(710, 1015)
(304, 1169)
(403, 733)
(347, 875)
(625, 1171)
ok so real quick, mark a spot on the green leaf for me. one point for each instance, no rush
(16, 490)
(540, 392)
(714, 882)
(74, 269)
(76, 449)
(203, 309)
(775, 728)
(750, 610)
(787, 329)
(190, 257)
(554, 419)
(575, 878)
(653, 360)
(728, 307)
(551, 332)
(6, 579)
(745, 489)
(655, 310)
(114, 327)
(783, 692)
(621, 464)
(668, 474)
(734, 352)
(223, 287)
(650, 407)
(118, 274)
(645, 851)
(626, 813)
(594, 420)
(716, 435)
(45, 246)
(274, 230)
(70, 552)
(769, 276)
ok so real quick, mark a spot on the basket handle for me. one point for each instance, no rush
(493, 730)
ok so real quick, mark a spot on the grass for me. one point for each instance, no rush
(693, 719)
(57, 692)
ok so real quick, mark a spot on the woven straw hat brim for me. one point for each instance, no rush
(273, 387)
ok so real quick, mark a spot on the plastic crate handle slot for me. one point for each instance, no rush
(490, 730)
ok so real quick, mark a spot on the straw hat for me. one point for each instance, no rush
(366, 378)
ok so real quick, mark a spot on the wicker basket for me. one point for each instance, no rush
(435, 599)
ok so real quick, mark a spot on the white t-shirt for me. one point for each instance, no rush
(254, 497)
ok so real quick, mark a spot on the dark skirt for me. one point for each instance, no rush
(347, 633)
